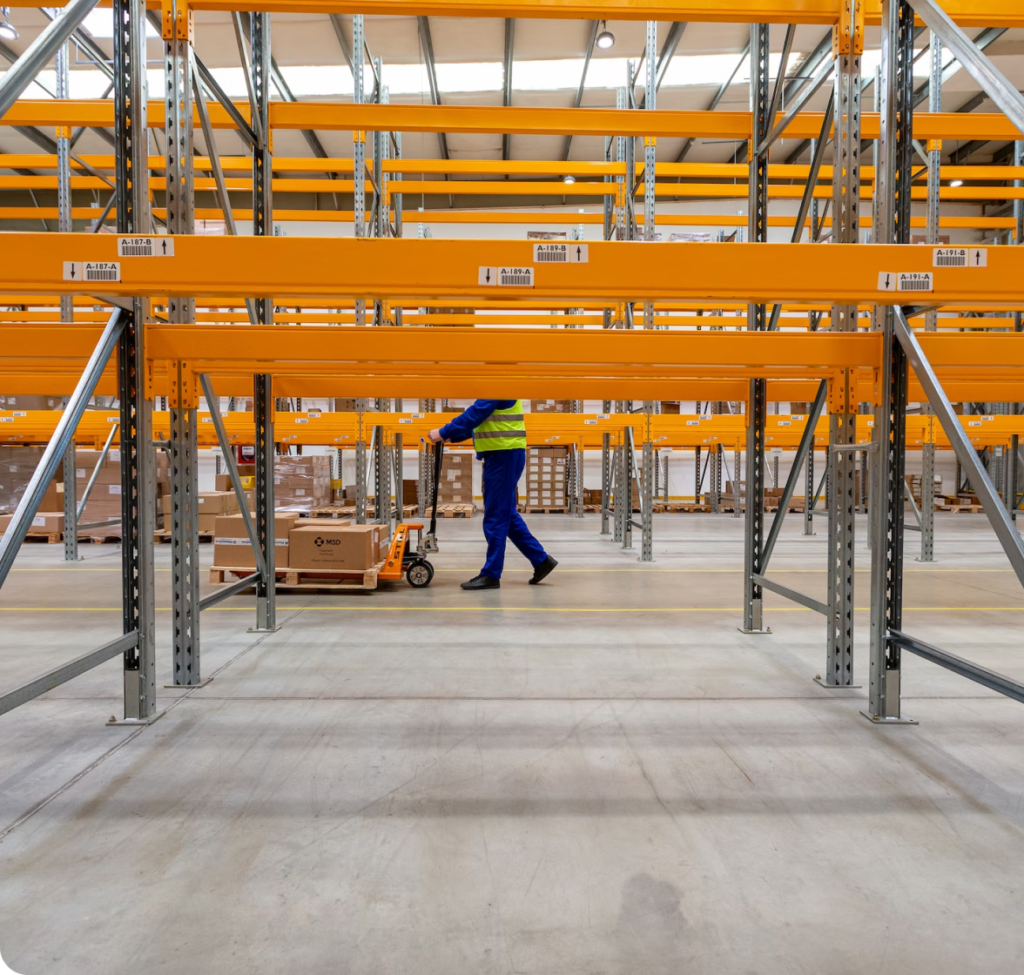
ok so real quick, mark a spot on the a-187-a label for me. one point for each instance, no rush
(89, 271)
(145, 247)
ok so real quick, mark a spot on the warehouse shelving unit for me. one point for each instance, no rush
(170, 355)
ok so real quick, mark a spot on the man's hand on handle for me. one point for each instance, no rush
(435, 436)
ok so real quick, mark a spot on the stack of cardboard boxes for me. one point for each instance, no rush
(303, 544)
(302, 483)
(211, 506)
(545, 477)
(456, 485)
(550, 406)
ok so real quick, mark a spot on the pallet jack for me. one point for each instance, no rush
(412, 562)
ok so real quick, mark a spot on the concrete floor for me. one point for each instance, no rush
(600, 775)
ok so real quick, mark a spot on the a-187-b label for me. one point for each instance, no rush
(145, 247)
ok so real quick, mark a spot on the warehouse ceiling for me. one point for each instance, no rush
(547, 68)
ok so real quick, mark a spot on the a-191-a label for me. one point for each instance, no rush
(914, 281)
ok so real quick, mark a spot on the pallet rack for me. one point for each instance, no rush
(847, 366)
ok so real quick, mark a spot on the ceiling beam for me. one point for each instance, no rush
(594, 27)
(510, 43)
(713, 104)
(427, 46)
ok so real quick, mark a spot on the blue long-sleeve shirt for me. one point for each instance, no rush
(462, 427)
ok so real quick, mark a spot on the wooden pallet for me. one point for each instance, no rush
(971, 509)
(676, 507)
(45, 538)
(163, 535)
(542, 509)
(332, 580)
(455, 510)
(349, 511)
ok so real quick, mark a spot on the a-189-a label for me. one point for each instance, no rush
(145, 247)
(515, 277)
(914, 281)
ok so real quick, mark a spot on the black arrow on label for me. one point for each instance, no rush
(579, 253)
(72, 272)
(977, 258)
(488, 275)
(164, 245)
(887, 281)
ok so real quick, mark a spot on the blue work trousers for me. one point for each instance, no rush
(502, 470)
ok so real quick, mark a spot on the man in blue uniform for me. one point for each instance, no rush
(499, 436)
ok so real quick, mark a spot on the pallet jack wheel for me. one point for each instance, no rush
(420, 573)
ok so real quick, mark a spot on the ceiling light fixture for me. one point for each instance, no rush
(606, 38)
(954, 183)
(569, 180)
(7, 30)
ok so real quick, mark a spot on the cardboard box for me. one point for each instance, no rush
(210, 503)
(352, 547)
(224, 483)
(5, 520)
(231, 543)
(47, 522)
(410, 491)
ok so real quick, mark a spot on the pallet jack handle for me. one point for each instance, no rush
(430, 542)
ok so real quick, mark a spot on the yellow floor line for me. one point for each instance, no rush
(510, 609)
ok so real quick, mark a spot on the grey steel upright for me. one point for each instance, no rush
(753, 540)
(67, 302)
(263, 390)
(137, 481)
(892, 225)
(931, 317)
(843, 412)
(183, 455)
(359, 148)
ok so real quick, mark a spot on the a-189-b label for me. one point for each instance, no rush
(145, 247)
(560, 254)
(914, 281)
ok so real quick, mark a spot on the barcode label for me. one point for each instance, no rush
(785, 423)
(693, 423)
(550, 254)
(959, 257)
(101, 271)
(515, 277)
(914, 281)
(19, 413)
(949, 257)
(145, 247)
(403, 420)
(590, 423)
(92, 271)
(6, 419)
(974, 423)
(301, 419)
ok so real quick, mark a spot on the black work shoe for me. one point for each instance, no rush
(482, 582)
(542, 571)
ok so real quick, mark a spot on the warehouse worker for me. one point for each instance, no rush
(499, 436)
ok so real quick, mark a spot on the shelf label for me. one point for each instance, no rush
(403, 420)
(914, 281)
(960, 257)
(693, 423)
(506, 277)
(590, 423)
(92, 271)
(145, 247)
(515, 277)
(302, 419)
(6, 419)
(785, 423)
(886, 281)
(603, 416)
(561, 254)
(418, 416)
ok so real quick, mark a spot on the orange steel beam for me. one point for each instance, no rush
(455, 119)
(436, 269)
(967, 13)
